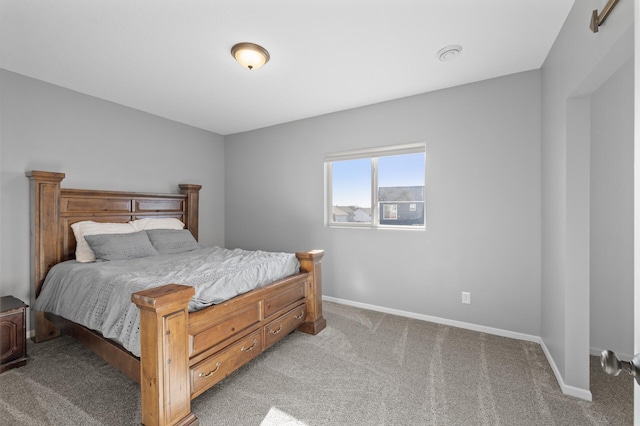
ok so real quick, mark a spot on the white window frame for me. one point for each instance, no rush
(373, 154)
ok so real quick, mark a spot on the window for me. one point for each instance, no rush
(376, 188)
(390, 212)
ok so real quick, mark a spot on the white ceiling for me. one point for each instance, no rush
(172, 57)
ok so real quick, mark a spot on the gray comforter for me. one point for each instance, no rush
(98, 295)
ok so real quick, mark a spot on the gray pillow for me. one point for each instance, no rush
(172, 241)
(121, 246)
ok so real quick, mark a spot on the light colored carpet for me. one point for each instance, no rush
(365, 368)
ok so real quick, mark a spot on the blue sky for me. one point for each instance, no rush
(352, 178)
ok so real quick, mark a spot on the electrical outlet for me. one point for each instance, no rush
(466, 297)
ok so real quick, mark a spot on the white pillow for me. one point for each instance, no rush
(156, 223)
(84, 253)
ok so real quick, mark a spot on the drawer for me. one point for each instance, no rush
(211, 336)
(11, 337)
(219, 365)
(294, 293)
(283, 325)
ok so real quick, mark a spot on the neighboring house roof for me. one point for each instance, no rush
(338, 211)
(348, 209)
(401, 193)
(366, 210)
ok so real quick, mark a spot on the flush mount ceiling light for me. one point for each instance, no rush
(250, 55)
(449, 53)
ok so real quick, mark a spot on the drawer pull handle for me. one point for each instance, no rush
(299, 315)
(276, 331)
(212, 372)
(250, 348)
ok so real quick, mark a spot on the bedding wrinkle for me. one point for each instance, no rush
(98, 295)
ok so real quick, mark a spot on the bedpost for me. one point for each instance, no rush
(164, 355)
(311, 262)
(45, 240)
(191, 215)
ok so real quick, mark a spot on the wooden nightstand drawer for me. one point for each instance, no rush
(13, 339)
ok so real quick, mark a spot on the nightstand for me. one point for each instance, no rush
(13, 337)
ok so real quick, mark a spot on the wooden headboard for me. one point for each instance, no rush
(55, 209)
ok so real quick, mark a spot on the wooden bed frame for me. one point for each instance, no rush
(182, 354)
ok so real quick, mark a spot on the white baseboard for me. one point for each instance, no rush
(566, 389)
(437, 320)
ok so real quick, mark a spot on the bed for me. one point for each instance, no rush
(182, 353)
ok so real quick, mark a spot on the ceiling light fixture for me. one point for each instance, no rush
(250, 55)
(449, 53)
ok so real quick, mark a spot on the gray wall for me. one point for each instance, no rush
(579, 62)
(99, 145)
(483, 202)
(611, 309)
